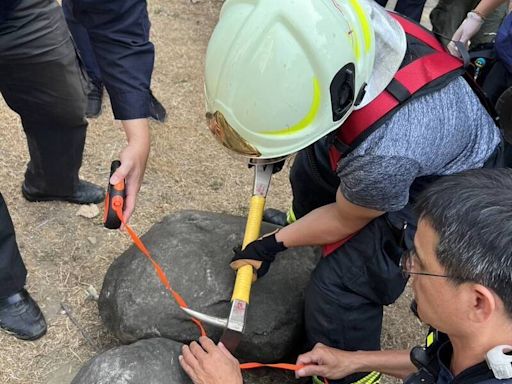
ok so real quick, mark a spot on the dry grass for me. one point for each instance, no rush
(65, 253)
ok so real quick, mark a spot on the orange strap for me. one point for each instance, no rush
(159, 271)
(181, 302)
(286, 366)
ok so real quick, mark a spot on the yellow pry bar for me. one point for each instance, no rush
(243, 282)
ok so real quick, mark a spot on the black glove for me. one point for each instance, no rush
(263, 251)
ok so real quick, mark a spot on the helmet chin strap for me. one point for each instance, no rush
(255, 161)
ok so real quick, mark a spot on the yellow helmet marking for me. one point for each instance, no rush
(357, 48)
(365, 26)
(307, 120)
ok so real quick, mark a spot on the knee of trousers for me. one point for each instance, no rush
(337, 316)
(71, 116)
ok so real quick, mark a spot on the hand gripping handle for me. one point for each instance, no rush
(244, 275)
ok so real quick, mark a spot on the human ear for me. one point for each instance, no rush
(483, 303)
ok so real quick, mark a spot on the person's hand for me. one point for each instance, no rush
(260, 253)
(133, 162)
(327, 362)
(469, 28)
(207, 363)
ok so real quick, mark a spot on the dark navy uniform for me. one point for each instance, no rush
(37, 62)
(116, 47)
(41, 80)
(433, 362)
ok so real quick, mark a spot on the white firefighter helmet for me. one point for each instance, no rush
(280, 74)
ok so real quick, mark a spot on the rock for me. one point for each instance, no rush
(153, 361)
(92, 294)
(89, 211)
(194, 249)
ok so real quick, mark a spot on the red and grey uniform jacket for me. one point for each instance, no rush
(427, 67)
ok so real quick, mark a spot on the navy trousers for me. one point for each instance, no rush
(41, 80)
(12, 269)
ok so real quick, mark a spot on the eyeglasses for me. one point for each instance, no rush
(407, 265)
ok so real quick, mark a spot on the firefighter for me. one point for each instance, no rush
(460, 269)
(376, 110)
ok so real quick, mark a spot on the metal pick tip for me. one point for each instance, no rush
(217, 321)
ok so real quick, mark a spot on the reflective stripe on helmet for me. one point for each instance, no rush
(308, 119)
(365, 25)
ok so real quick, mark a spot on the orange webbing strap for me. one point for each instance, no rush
(181, 302)
(159, 271)
(285, 366)
(288, 367)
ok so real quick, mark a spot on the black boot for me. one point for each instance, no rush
(157, 111)
(21, 317)
(275, 216)
(94, 100)
(84, 193)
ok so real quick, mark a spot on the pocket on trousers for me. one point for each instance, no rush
(84, 78)
(371, 263)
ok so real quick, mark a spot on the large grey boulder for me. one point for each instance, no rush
(194, 249)
(153, 361)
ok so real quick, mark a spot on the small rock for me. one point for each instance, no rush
(92, 293)
(89, 211)
(92, 240)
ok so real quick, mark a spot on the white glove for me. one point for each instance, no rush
(469, 28)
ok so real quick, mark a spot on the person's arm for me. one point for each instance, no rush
(472, 24)
(324, 225)
(119, 35)
(370, 185)
(327, 224)
(486, 7)
(336, 364)
(207, 363)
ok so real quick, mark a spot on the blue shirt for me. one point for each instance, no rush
(429, 136)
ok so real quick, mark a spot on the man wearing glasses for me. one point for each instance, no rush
(461, 274)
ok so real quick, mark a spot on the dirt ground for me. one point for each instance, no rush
(66, 254)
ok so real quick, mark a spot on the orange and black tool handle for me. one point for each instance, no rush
(116, 195)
